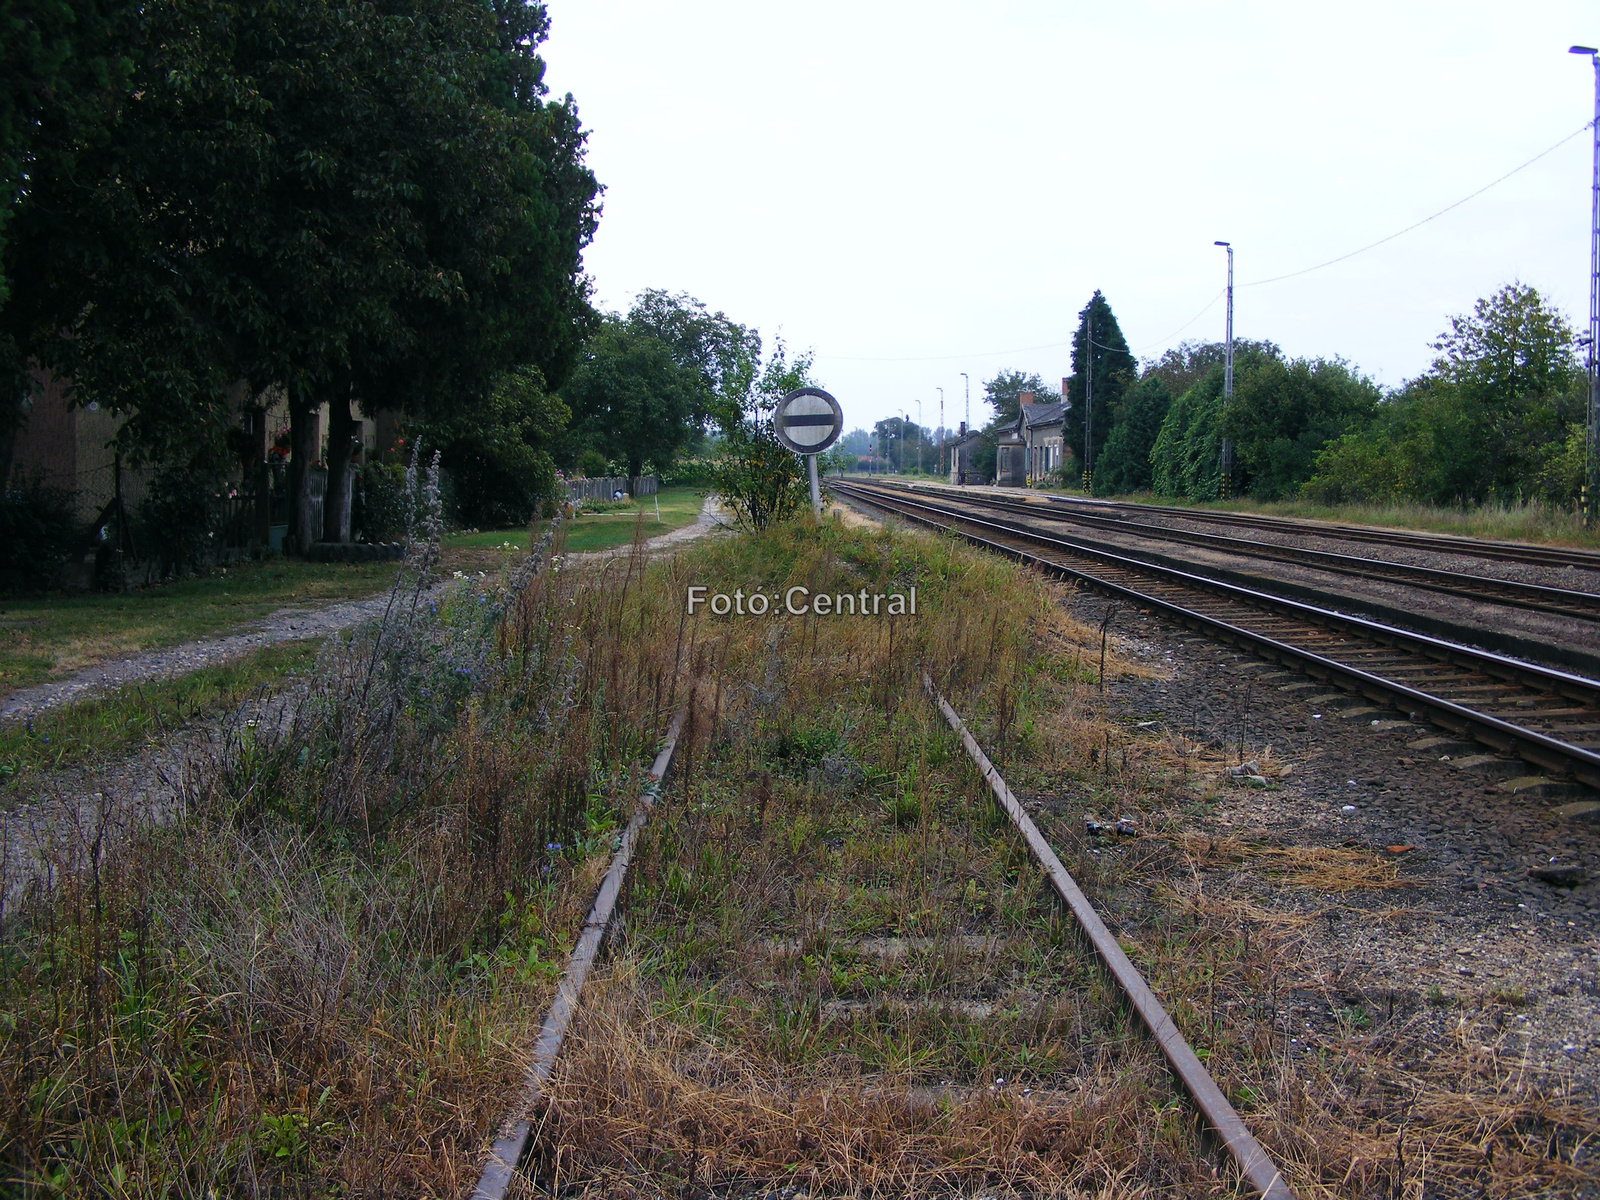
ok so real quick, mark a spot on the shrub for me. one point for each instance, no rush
(690, 472)
(379, 507)
(37, 532)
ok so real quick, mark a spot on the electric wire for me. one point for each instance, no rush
(1252, 283)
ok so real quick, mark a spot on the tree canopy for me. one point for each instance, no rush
(367, 200)
(1114, 370)
(1499, 414)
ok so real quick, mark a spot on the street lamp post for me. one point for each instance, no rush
(919, 435)
(1589, 497)
(1227, 378)
(940, 390)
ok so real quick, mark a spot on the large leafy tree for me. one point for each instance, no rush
(1498, 415)
(725, 354)
(1125, 459)
(1187, 363)
(632, 399)
(1004, 394)
(1114, 372)
(1284, 412)
(1185, 460)
(328, 199)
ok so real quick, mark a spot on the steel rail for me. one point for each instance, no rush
(1541, 749)
(516, 1129)
(1567, 602)
(1443, 543)
(1253, 1161)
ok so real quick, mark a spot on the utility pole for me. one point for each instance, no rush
(941, 429)
(968, 384)
(1088, 402)
(1589, 495)
(919, 435)
(1227, 378)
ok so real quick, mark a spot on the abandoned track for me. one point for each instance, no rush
(1566, 602)
(1546, 717)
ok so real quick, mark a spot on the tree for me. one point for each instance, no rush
(1113, 369)
(1493, 417)
(632, 399)
(1284, 412)
(760, 479)
(1136, 423)
(905, 444)
(62, 77)
(1185, 459)
(334, 200)
(725, 354)
(1004, 394)
(498, 450)
(1187, 363)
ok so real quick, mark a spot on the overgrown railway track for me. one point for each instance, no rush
(1546, 717)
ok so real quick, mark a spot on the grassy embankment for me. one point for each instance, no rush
(1521, 522)
(840, 970)
(48, 637)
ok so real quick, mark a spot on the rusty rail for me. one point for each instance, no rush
(1253, 1161)
(515, 1131)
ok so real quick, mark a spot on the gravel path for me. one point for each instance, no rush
(70, 817)
(285, 625)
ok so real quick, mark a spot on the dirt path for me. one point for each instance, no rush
(286, 625)
(69, 817)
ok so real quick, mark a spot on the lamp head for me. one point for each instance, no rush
(1589, 50)
(1222, 243)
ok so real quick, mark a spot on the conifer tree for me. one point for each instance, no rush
(1113, 369)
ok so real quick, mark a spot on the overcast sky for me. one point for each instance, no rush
(916, 190)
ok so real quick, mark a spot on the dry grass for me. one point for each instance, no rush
(838, 970)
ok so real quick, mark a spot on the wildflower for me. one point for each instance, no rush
(553, 847)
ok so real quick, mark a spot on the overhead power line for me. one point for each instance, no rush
(1419, 224)
(1253, 283)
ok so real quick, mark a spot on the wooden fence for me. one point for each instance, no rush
(606, 486)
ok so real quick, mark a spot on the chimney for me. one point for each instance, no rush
(963, 429)
(1026, 399)
(1063, 387)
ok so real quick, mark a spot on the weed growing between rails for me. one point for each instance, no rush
(319, 981)
(841, 973)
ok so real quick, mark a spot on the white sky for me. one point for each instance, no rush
(917, 190)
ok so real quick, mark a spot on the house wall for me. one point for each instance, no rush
(71, 449)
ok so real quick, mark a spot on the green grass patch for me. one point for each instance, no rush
(104, 726)
(1519, 522)
(616, 525)
(44, 638)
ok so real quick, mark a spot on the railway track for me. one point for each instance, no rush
(511, 1167)
(1548, 718)
(1566, 602)
(1438, 543)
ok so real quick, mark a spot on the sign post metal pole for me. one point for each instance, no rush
(808, 420)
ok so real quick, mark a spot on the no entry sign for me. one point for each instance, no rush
(808, 420)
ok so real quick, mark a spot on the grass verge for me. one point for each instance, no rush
(44, 638)
(838, 971)
(1520, 521)
(140, 715)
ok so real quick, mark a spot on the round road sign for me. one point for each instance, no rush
(808, 420)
